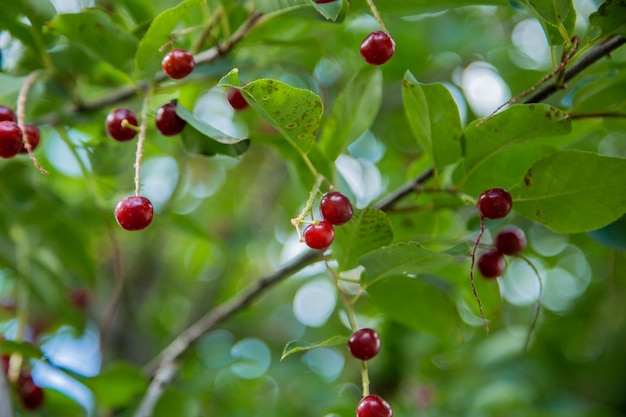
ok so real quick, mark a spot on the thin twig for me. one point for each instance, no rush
(21, 117)
(533, 324)
(143, 127)
(474, 249)
(109, 315)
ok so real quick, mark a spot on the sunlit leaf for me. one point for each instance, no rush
(573, 191)
(300, 345)
(117, 385)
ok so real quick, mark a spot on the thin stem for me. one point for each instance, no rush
(308, 206)
(596, 115)
(21, 116)
(533, 324)
(376, 14)
(365, 377)
(474, 249)
(140, 141)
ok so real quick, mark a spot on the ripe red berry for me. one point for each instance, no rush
(373, 406)
(134, 213)
(319, 236)
(168, 123)
(33, 136)
(364, 344)
(236, 99)
(31, 395)
(335, 208)
(10, 139)
(114, 127)
(494, 203)
(377, 48)
(491, 264)
(79, 298)
(178, 63)
(7, 114)
(510, 241)
(5, 363)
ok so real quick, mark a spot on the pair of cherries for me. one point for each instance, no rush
(12, 137)
(336, 210)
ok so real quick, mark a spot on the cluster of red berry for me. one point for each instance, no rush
(364, 344)
(336, 210)
(31, 395)
(12, 139)
(496, 203)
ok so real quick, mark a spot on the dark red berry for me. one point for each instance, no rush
(178, 63)
(319, 236)
(168, 123)
(491, 264)
(495, 203)
(33, 137)
(5, 364)
(364, 344)
(31, 395)
(373, 406)
(10, 139)
(336, 208)
(377, 48)
(510, 241)
(7, 114)
(114, 124)
(134, 213)
(79, 298)
(236, 99)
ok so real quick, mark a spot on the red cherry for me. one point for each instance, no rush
(7, 114)
(10, 139)
(373, 406)
(364, 344)
(491, 264)
(5, 364)
(495, 203)
(178, 63)
(377, 48)
(336, 208)
(31, 395)
(33, 137)
(134, 213)
(114, 127)
(168, 123)
(510, 241)
(79, 298)
(319, 236)
(236, 99)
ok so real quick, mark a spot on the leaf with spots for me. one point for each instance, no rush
(556, 193)
(295, 112)
(368, 230)
(486, 139)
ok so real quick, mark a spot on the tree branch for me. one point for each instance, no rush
(597, 52)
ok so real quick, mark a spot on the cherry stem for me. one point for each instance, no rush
(308, 208)
(480, 304)
(533, 324)
(140, 141)
(376, 14)
(128, 125)
(21, 116)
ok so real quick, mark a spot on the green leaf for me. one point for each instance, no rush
(424, 306)
(334, 10)
(95, 32)
(522, 122)
(148, 58)
(295, 112)
(204, 128)
(367, 230)
(27, 350)
(400, 259)
(434, 118)
(610, 17)
(117, 386)
(573, 191)
(10, 87)
(353, 113)
(558, 18)
(300, 345)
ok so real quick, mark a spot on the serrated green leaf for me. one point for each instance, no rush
(148, 58)
(300, 345)
(610, 17)
(573, 191)
(295, 112)
(368, 230)
(515, 125)
(117, 385)
(334, 10)
(417, 304)
(400, 259)
(95, 32)
(434, 118)
(362, 96)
